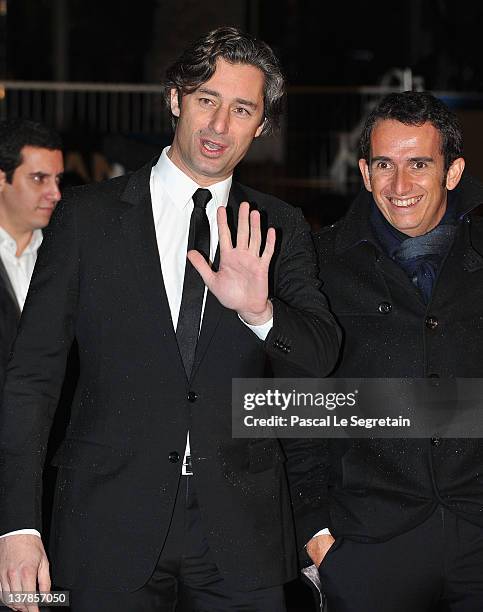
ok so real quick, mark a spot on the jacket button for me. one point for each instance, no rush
(192, 396)
(384, 308)
(431, 322)
(436, 441)
(173, 457)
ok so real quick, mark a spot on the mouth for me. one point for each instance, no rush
(404, 202)
(211, 147)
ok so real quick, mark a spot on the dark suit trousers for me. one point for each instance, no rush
(186, 578)
(435, 566)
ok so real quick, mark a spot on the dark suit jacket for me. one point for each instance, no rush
(9, 317)
(379, 488)
(98, 279)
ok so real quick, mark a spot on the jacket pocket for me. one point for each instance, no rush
(263, 455)
(356, 473)
(84, 455)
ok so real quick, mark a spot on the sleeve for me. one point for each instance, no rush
(304, 339)
(304, 342)
(36, 372)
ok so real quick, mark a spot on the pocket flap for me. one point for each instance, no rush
(81, 454)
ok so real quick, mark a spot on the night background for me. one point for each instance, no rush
(339, 58)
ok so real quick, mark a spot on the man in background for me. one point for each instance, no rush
(31, 166)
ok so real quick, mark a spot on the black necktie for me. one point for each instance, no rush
(189, 318)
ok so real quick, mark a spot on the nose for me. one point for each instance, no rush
(53, 192)
(401, 182)
(220, 120)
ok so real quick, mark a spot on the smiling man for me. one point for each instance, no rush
(403, 271)
(158, 508)
(31, 166)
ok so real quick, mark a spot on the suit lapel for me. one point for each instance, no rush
(5, 279)
(213, 308)
(137, 225)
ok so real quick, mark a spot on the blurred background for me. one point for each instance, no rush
(92, 69)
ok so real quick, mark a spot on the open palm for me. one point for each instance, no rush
(241, 282)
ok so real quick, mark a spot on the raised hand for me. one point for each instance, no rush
(241, 283)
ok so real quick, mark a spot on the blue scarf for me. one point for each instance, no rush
(420, 257)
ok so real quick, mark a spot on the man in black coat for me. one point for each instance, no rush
(157, 506)
(403, 272)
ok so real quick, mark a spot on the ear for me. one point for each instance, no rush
(366, 177)
(175, 108)
(3, 180)
(454, 173)
(260, 129)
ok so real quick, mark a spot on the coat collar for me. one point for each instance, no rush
(137, 190)
(356, 227)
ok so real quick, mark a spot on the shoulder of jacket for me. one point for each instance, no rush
(325, 237)
(82, 194)
(266, 200)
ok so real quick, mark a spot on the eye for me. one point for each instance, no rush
(242, 111)
(420, 165)
(206, 102)
(382, 165)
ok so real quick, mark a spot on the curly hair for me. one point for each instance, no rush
(197, 65)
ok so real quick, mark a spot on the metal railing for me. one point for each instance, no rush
(104, 107)
(315, 152)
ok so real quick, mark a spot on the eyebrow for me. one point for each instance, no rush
(215, 94)
(411, 159)
(44, 174)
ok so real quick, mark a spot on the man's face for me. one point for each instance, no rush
(28, 202)
(217, 122)
(406, 175)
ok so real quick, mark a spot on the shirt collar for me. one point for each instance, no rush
(180, 187)
(11, 244)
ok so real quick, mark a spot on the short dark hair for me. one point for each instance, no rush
(15, 134)
(197, 65)
(416, 108)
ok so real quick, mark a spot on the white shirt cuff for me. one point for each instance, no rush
(21, 532)
(259, 330)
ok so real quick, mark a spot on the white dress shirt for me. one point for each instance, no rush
(19, 269)
(172, 203)
(171, 196)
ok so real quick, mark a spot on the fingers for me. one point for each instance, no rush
(15, 586)
(269, 245)
(249, 234)
(224, 235)
(201, 266)
(27, 584)
(44, 576)
(255, 233)
(21, 559)
(243, 231)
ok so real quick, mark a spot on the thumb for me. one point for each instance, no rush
(201, 266)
